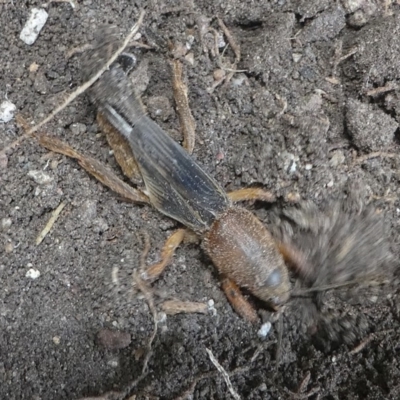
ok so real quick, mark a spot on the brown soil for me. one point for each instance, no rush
(307, 105)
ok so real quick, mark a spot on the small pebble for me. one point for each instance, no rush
(114, 363)
(190, 58)
(296, 57)
(33, 26)
(264, 330)
(162, 317)
(5, 223)
(56, 340)
(7, 110)
(33, 67)
(32, 273)
(78, 128)
(211, 307)
(218, 74)
(9, 247)
(337, 158)
(40, 177)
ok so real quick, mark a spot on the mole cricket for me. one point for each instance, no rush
(243, 250)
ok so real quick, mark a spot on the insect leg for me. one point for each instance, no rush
(95, 168)
(238, 301)
(251, 194)
(295, 259)
(122, 150)
(167, 252)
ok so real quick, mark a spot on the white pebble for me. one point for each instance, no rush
(5, 223)
(113, 363)
(264, 330)
(40, 177)
(161, 317)
(32, 273)
(296, 57)
(293, 167)
(211, 309)
(7, 110)
(33, 26)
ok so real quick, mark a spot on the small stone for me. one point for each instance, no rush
(337, 158)
(78, 128)
(32, 273)
(9, 247)
(113, 340)
(179, 50)
(220, 41)
(33, 67)
(264, 330)
(352, 5)
(40, 83)
(190, 58)
(218, 74)
(100, 225)
(7, 110)
(40, 177)
(296, 57)
(56, 340)
(239, 80)
(114, 363)
(159, 107)
(33, 26)
(162, 317)
(5, 223)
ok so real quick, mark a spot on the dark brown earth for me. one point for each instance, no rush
(307, 104)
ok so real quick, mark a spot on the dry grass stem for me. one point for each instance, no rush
(224, 374)
(54, 215)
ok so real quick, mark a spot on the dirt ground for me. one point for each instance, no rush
(317, 89)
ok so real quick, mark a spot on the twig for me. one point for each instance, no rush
(173, 307)
(375, 154)
(231, 40)
(361, 346)
(188, 124)
(224, 374)
(212, 374)
(54, 215)
(383, 89)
